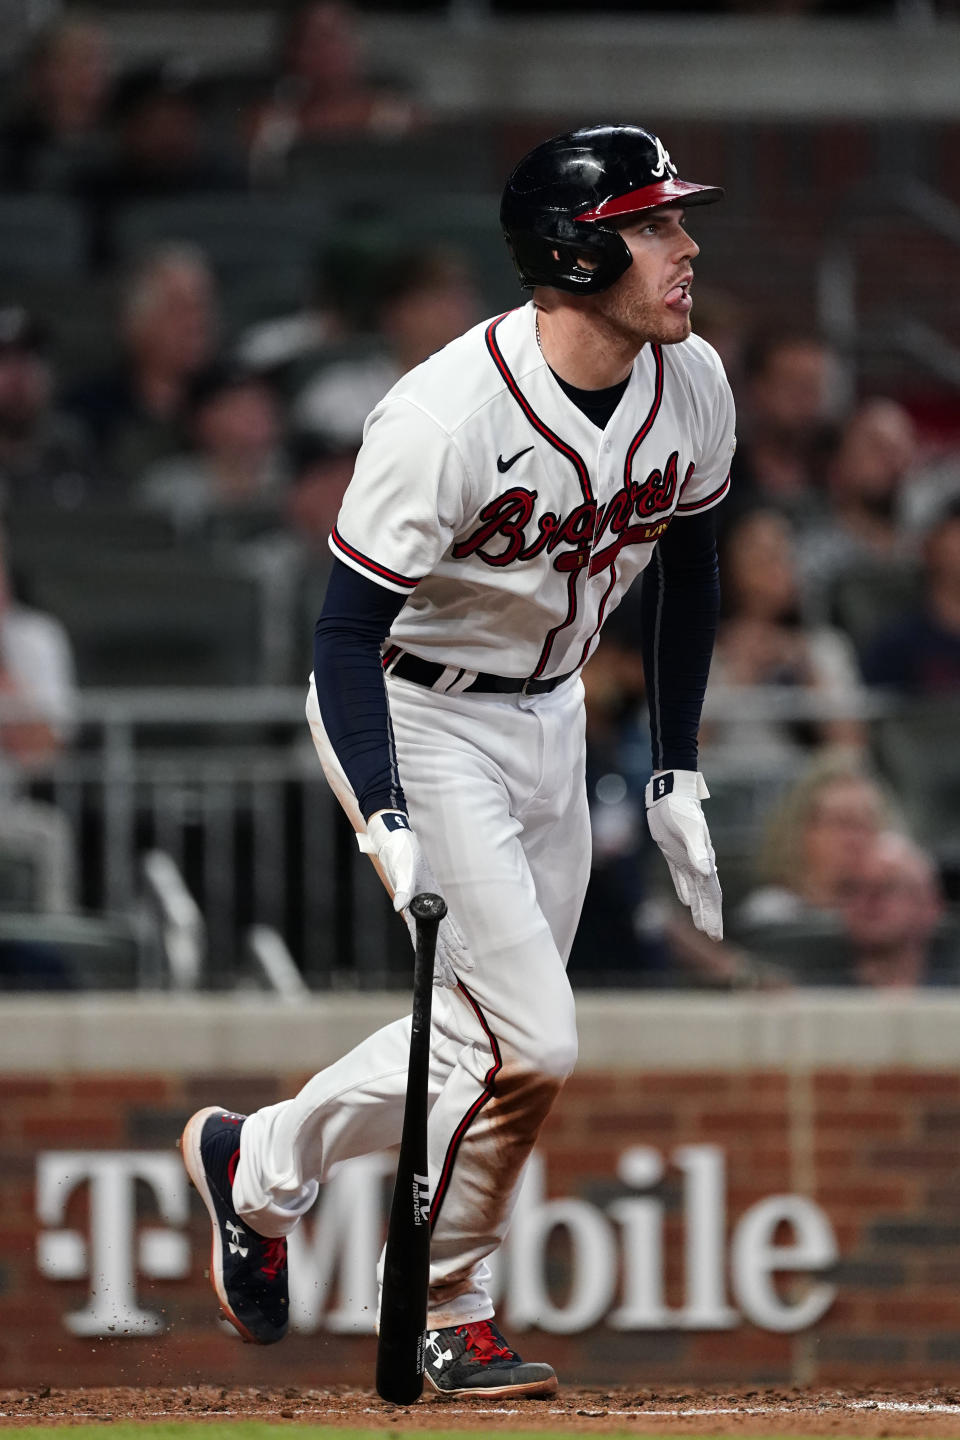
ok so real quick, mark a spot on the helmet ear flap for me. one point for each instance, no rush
(553, 253)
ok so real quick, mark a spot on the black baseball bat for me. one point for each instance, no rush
(406, 1270)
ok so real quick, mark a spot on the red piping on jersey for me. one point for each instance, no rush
(601, 611)
(644, 430)
(568, 619)
(707, 500)
(583, 474)
(634, 446)
(389, 656)
(486, 1094)
(372, 565)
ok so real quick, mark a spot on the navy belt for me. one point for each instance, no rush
(427, 672)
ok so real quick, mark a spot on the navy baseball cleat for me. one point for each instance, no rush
(476, 1360)
(248, 1271)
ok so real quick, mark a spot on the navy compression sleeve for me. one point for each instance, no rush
(355, 620)
(680, 604)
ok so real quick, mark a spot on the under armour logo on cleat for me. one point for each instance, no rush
(443, 1356)
(235, 1247)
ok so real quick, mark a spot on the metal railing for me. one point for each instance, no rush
(215, 800)
(210, 808)
(839, 313)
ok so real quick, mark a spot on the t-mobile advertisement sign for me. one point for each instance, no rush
(617, 1254)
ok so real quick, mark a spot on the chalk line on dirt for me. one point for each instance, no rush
(897, 1406)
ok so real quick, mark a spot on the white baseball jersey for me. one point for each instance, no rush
(514, 525)
(512, 521)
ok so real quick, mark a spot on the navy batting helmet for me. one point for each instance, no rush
(559, 201)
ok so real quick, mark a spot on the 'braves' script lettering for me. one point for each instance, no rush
(504, 518)
(634, 515)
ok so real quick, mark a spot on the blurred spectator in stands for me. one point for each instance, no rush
(323, 90)
(789, 404)
(235, 461)
(162, 147)
(815, 842)
(931, 488)
(37, 689)
(45, 458)
(321, 473)
(762, 9)
(620, 936)
(335, 308)
(169, 325)
(629, 934)
(763, 640)
(861, 525)
(320, 469)
(420, 300)
(919, 655)
(892, 913)
(721, 320)
(772, 10)
(56, 123)
(396, 310)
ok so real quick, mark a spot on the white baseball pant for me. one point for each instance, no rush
(496, 794)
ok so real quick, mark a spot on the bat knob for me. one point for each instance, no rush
(427, 907)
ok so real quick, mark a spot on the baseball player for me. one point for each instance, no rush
(507, 493)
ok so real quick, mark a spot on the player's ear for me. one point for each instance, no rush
(582, 262)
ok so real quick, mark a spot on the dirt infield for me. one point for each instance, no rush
(930, 1412)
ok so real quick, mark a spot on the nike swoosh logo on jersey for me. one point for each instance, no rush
(504, 465)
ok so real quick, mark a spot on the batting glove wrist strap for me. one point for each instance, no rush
(391, 839)
(688, 784)
(678, 825)
(379, 828)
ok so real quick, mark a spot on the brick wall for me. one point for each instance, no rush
(874, 1147)
(685, 1119)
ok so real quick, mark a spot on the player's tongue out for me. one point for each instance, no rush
(678, 298)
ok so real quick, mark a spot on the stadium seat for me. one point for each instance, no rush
(868, 598)
(467, 223)
(240, 233)
(917, 750)
(739, 805)
(37, 857)
(945, 965)
(197, 617)
(249, 296)
(34, 531)
(18, 880)
(361, 173)
(470, 223)
(737, 869)
(79, 316)
(295, 374)
(810, 952)
(68, 952)
(41, 235)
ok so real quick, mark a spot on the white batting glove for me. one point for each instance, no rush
(678, 825)
(390, 838)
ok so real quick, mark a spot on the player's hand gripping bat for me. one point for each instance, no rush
(406, 1270)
